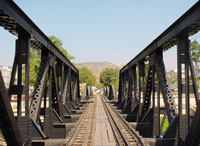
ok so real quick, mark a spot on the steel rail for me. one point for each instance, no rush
(80, 122)
(129, 128)
(126, 142)
(87, 131)
(93, 129)
(21, 19)
(90, 123)
(187, 22)
(112, 126)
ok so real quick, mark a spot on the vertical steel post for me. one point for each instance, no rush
(59, 74)
(141, 87)
(78, 88)
(20, 66)
(26, 45)
(183, 63)
(21, 58)
(158, 130)
(135, 96)
(120, 89)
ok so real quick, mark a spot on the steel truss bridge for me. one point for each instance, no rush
(56, 104)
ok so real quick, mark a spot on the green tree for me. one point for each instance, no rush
(172, 77)
(195, 51)
(86, 76)
(198, 83)
(35, 58)
(58, 43)
(195, 54)
(99, 85)
(109, 76)
(116, 83)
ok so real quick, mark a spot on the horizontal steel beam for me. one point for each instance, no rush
(12, 10)
(187, 22)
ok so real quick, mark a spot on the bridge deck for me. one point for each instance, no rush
(103, 133)
(101, 125)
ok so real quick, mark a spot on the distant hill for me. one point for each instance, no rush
(97, 67)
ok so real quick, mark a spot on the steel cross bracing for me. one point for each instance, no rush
(143, 80)
(56, 91)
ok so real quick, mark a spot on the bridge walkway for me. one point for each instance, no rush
(103, 133)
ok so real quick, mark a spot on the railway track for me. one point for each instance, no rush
(82, 135)
(125, 135)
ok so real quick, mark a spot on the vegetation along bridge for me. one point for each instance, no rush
(58, 115)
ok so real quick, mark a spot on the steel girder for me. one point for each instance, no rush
(189, 21)
(130, 102)
(122, 90)
(135, 99)
(188, 133)
(121, 86)
(54, 90)
(40, 86)
(8, 122)
(106, 91)
(180, 131)
(109, 92)
(128, 92)
(183, 59)
(148, 91)
(12, 16)
(21, 59)
(56, 85)
(65, 85)
(166, 92)
(141, 87)
(112, 93)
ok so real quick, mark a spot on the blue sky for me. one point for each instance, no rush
(99, 30)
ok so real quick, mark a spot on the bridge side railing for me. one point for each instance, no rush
(56, 87)
(143, 80)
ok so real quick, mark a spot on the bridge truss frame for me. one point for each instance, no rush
(56, 91)
(143, 80)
